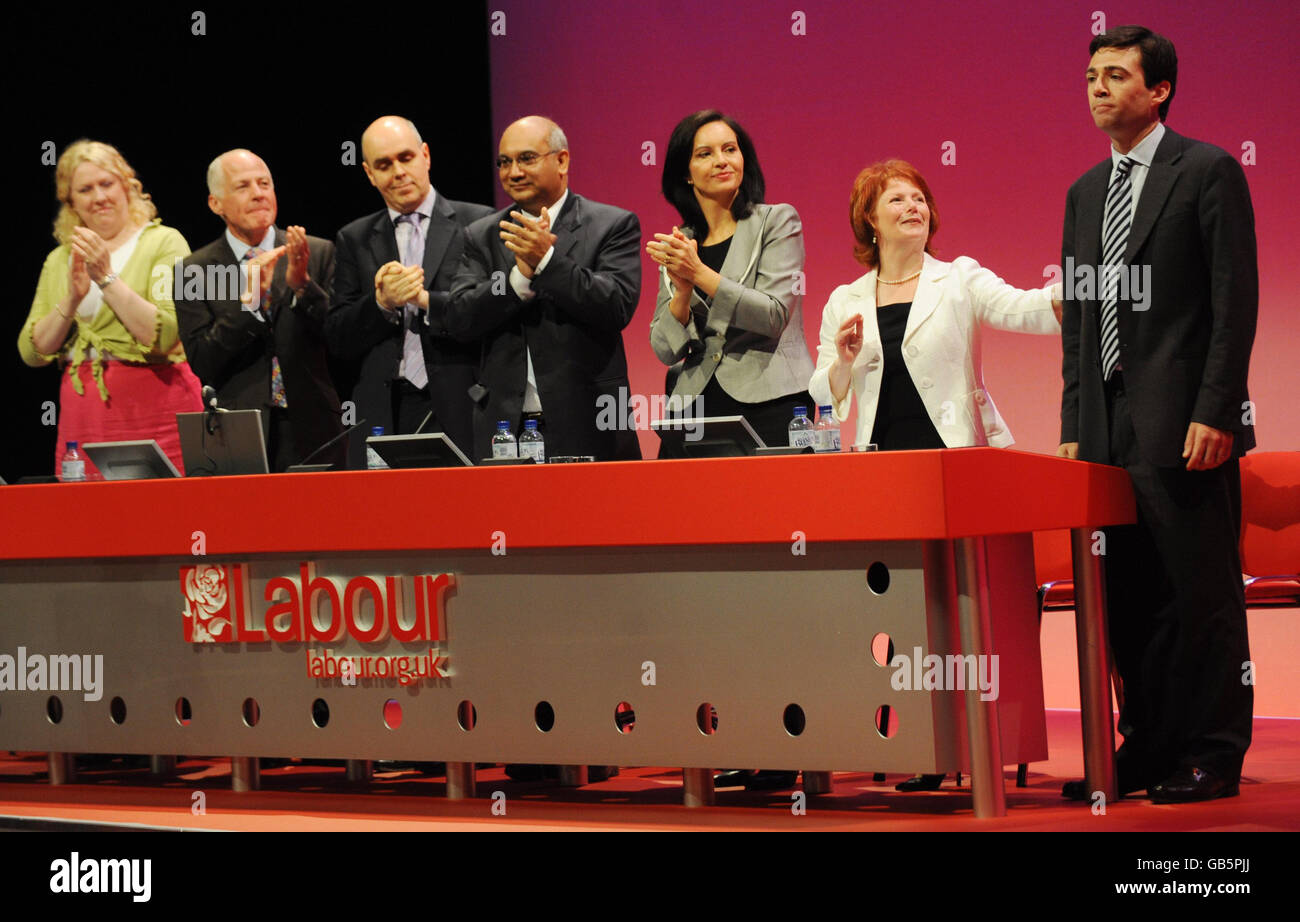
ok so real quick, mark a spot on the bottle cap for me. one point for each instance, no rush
(503, 425)
(800, 411)
(72, 446)
(530, 424)
(376, 430)
(825, 411)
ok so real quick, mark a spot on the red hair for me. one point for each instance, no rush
(867, 188)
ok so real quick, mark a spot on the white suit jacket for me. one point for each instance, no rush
(941, 347)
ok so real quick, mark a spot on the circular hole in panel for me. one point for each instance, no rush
(320, 712)
(252, 713)
(881, 645)
(466, 715)
(392, 714)
(706, 718)
(54, 709)
(794, 719)
(117, 711)
(878, 578)
(544, 716)
(624, 717)
(183, 713)
(886, 721)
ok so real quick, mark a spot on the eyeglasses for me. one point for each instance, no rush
(528, 159)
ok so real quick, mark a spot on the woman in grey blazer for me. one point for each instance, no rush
(728, 321)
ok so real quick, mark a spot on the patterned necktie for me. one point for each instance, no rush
(277, 379)
(412, 352)
(1117, 220)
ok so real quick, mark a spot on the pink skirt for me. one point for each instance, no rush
(143, 401)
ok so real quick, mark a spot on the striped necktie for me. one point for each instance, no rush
(412, 367)
(1117, 220)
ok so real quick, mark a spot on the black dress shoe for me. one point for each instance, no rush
(1188, 785)
(920, 783)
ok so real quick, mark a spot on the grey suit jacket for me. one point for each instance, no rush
(753, 338)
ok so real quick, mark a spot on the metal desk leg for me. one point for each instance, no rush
(697, 787)
(461, 783)
(573, 776)
(162, 766)
(1094, 666)
(358, 770)
(818, 783)
(63, 767)
(982, 727)
(245, 774)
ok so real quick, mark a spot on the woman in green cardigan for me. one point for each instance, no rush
(103, 308)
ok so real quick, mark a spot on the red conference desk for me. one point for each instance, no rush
(643, 581)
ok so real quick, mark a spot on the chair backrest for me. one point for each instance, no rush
(1270, 513)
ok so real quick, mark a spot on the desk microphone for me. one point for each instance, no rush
(210, 408)
(342, 434)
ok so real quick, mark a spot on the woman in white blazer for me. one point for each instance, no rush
(905, 338)
(728, 320)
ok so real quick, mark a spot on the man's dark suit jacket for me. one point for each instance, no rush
(1185, 358)
(573, 326)
(230, 349)
(358, 329)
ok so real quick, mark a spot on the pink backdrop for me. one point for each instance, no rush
(1002, 81)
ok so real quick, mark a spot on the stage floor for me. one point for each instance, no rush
(319, 798)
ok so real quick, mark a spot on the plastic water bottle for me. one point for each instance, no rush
(531, 443)
(503, 443)
(374, 461)
(74, 465)
(827, 431)
(801, 429)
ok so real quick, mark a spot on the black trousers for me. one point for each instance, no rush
(410, 407)
(1178, 612)
(770, 419)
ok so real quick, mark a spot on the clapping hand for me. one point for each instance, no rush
(395, 285)
(78, 278)
(529, 240)
(92, 249)
(261, 269)
(678, 254)
(295, 245)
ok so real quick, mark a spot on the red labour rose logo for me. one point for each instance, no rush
(208, 616)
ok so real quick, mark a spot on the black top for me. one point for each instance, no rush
(712, 256)
(902, 421)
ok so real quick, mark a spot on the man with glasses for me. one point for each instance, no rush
(392, 272)
(547, 287)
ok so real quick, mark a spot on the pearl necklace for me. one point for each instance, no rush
(916, 274)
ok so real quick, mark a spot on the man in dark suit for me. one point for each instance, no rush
(251, 307)
(547, 286)
(1155, 364)
(390, 292)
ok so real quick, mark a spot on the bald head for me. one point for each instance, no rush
(241, 193)
(541, 183)
(396, 162)
(218, 171)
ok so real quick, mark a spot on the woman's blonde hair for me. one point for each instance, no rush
(106, 157)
